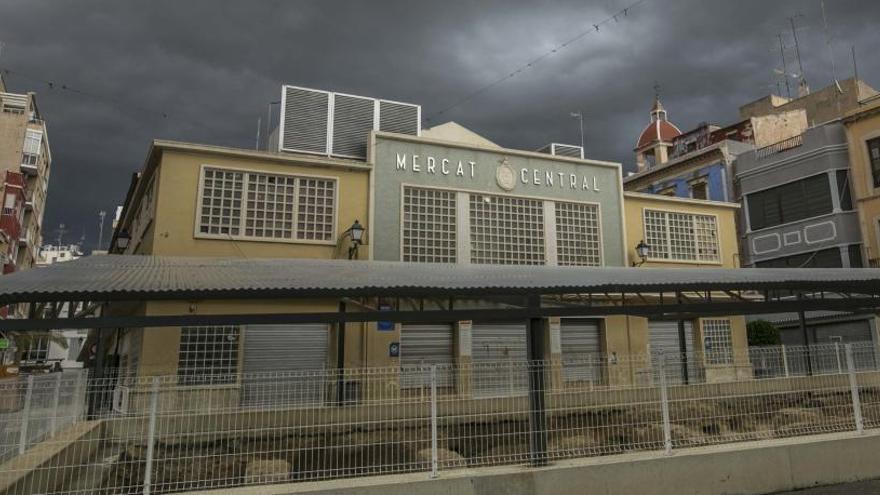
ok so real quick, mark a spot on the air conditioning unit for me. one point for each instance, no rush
(336, 124)
(563, 150)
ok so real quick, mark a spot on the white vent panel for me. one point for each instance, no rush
(304, 120)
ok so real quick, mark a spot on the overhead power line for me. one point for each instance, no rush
(594, 28)
(120, 104)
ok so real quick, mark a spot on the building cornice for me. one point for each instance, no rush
(773, 166)
(676, 199)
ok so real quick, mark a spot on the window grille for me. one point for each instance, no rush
(506, 230)
(717, 341)
(429, 234)
(208, 355)
(36, 350)
(681, 236)
(250, 205)
(578, 239)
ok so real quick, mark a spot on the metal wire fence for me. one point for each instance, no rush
(152, 434)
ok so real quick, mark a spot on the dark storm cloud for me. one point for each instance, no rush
(213, 66)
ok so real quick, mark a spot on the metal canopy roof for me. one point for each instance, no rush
(114, 278)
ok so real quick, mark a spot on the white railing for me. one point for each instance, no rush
(150, 434)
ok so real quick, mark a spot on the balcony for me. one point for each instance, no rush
(30, 164)
(13, 103)
(779, 147)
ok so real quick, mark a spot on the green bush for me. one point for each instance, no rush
(763, 332)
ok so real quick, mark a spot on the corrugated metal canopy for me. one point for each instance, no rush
(104, 278)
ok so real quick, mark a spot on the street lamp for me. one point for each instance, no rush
(356, 233)
(122, 240)
(643, 250)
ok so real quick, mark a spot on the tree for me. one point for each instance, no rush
(762, 332)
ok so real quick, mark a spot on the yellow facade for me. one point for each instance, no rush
(161, 215)
(863, 125)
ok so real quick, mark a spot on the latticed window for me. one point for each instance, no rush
(681, 236)
(269, 207)
(207, 355)
(578, 239)
(429, 225)
(506, 230)
(249, 205)
(315, 212)
(717, 341)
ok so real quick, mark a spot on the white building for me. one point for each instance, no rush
(50, 254)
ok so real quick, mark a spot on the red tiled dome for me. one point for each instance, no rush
(659, 130)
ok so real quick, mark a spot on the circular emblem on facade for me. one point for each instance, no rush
(505, 176)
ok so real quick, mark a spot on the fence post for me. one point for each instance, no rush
(854, 389)
(784, 361)
(837, 355)
(151, 435)
(53, 421)
(82, 394)
(26, 415)
(664, 405)
(434, 460)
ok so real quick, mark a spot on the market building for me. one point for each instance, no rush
(439, 195)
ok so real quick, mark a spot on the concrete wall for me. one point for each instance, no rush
(821, 105)
(177, 190)
(739, 469)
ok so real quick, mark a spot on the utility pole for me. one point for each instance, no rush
(797, 50)
(784, 65)
(580, 116)
(101, 215)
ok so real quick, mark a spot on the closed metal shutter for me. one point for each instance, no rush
(423, 345)
(304, 117)
(581, 350)
(664, 335)
(352, 123)
(284, 364)
(499, 355)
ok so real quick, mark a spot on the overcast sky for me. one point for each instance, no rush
(203, 71)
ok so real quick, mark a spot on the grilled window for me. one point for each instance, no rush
(506, 230)
(874, 157)
(207, 355)
(791, 202)
(429, 225)
(717, 341)
(36, 350)
(249, 205)
(681, 236)
(578, 239)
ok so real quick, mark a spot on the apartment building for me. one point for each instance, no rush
(799, 212)
(863, 138)
(24, 150)
(699, 163)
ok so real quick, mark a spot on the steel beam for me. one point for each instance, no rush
(537, 413)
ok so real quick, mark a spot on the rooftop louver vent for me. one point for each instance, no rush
(563, 150)
(336, 124)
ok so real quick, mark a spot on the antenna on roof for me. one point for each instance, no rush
(784, 65)
(830, 48)
(803, 88)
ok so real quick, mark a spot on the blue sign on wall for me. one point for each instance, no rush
(385, 326)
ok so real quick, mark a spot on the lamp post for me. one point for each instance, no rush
(356, 233)
(122, 240)
(643, 250)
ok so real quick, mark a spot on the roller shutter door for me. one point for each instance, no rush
(423, 345)
(830, 358)
(581, 350)
(664, 335)
(285, 364)
(498, 352)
